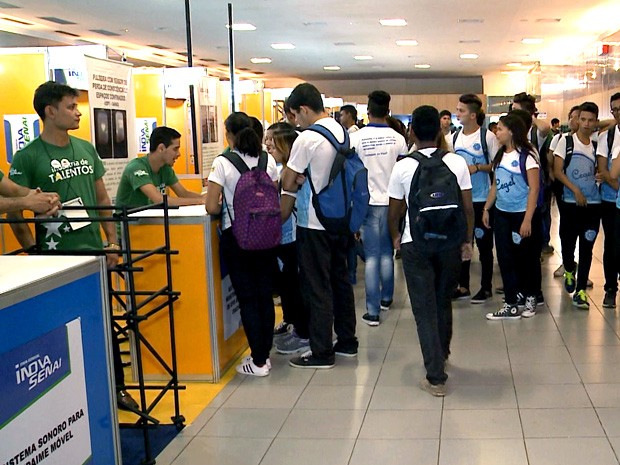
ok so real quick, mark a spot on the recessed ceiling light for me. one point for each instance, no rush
(17, 21)
(396, 22)
(468, 56)
(258, 61)
(471, 21)
(548, 20)
(314, 23)
(242, 27)
(331, 68)
(407, 43)
(363, 57)
(343, 44)
(282, 46)
(516, 64)
(422, 66)
(470, 41)
(532, 40)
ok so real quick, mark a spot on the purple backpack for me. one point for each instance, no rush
(257, 224)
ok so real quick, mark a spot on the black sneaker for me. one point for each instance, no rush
(610, 299)
(520, 301)
(499, 290)
(371, 320)
(385, 305)
(460, 294)
(507, 312)
(481, 297)
(345, 351)
(307, 360)
(281, 329)
(540, 299)
(125, 401)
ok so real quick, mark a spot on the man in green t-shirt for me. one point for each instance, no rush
(17, 198)
(145, 179)
(71, 167)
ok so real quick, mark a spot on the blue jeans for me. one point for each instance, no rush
(379, 273)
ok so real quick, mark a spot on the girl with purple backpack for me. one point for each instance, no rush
(252, 285)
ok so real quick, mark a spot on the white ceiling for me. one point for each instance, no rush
(316, 26)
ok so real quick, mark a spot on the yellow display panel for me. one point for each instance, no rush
(148, 94)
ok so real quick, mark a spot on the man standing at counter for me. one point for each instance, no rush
(71, 167)
(145, 179)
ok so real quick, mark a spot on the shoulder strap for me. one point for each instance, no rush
(483, 142)
(339, 146)
(611, 133)
(570, 146)
(522, 165)
(417, 156)
(263, 159)
(534, 139)
(236, 161)
(455, 136)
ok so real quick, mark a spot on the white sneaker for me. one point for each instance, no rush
(530, 307)
(248, 362)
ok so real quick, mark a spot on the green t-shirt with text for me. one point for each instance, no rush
(138, 173)
(71, 172)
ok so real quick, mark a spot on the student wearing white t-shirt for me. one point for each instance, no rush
(431, 276)
(445, 118)
(609, 141)
(614, 174)
(468, 144)
(516, 221)
(324, 277)
(253, 285)
(581, 203)
(378, 146)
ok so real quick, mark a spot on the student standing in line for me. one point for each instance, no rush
(348, 118)
(325, 286)
(609, 141)
(279, 140)
(378, 147)
(614, 174)
(253, 286)
(431, 273)
(478, 147)
(581, 214)
(445, 117)
(516, 222)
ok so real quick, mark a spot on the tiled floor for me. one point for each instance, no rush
(541, 391)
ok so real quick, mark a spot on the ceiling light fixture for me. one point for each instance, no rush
(282, 46)
(516, 64)
(260, 61)
(363, 57)
(395, 22)
(407, 43)
(422, 66)
(242, 27)
(331, 68)
(471, 21)
(532, 40)
(468, 56)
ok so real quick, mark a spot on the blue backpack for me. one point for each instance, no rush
(342, 204)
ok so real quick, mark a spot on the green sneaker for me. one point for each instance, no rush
(569, 281)
(580, 300)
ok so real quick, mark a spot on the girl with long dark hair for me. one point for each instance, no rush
(516, 219)
(253, 286)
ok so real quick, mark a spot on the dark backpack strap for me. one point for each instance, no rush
(611, 133)
(534, 139)
(522, 165)
(339, 146)
(570, 147)
(236, 161)
(485, 146)
(455, 137)
(263, 160)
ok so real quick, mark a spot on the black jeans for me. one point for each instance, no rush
(617, 235)
(611, 266)
(583, 223)
(326, 290)
(253, 283)
(293, 308)
(431, 278)
(484, 241)
(519, 264)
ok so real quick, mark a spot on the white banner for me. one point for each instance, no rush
(211, 124)
(46, 417)
(112, 112)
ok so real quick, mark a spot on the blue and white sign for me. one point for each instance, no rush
(19, 131)
(144, 129)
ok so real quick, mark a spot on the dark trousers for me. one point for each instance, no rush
(326, 290)
(431, 278)
(253, 284)
(119, 374)
(545, 217)
(484, 241)
(611, 266)
(579, 223)
(617, 235)
(293, 308)
(519, 263)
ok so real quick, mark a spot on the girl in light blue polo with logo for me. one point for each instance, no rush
(517, 222)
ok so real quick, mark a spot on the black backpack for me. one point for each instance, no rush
(436, 216)
(544, 162)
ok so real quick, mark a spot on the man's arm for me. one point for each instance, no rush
(603, 174)
(109, 227)
(542, 126)
(558, 170)
(184, 197)
(22, 198)
(468, 207)
(615, 168)
(396, 211)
